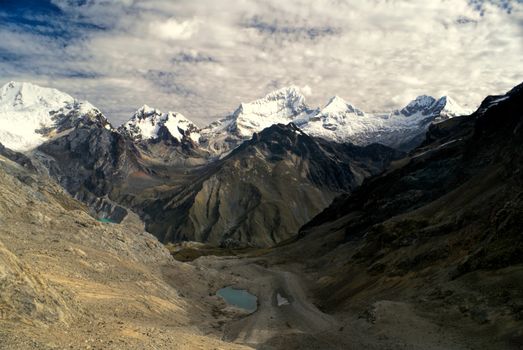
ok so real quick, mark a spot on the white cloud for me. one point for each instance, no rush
(175, 30)
(306, 90)
(203, 57)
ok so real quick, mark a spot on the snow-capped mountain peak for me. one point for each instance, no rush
(451, 109)
(338, 121)
(338, 105)
(281, 106)
(31, 114)
(145, 110)
(292, 95)
(148, 123)
(342, 122)
(282, 103)
(425, 105)
(421, 104)
(19, 95)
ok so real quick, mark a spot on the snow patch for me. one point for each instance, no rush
(281, 300)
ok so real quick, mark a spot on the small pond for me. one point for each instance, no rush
(239, 298)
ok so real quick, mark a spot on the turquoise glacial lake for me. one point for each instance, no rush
(239, 298)
(107, 221)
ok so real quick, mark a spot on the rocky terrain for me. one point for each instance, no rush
(437, 238)
(264, 190)
(426, 255)
(219, 184)
(419, 251)
(69, 281)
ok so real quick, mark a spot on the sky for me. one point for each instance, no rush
(204, 57)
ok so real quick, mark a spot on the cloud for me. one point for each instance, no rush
(204, 57)
(306, 90)
(289, 31)
(192, 58)
(175, 30)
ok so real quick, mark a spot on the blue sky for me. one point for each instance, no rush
(203, 57)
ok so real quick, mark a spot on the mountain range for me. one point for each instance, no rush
(44, 111)
(251, 178)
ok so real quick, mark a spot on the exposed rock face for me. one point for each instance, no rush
(165, 137)
(264, 190)
(90, 162)
(441, 231)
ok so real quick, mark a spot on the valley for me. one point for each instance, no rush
(261, 175)
(343, 246)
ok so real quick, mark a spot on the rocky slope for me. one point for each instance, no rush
(68, 281)
(90, 162)
(437, 236)
(264, 190)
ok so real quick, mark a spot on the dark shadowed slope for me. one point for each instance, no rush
(441, 233)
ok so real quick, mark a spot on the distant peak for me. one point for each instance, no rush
(23, 95)
(284, 102)
(421, 104)
(448, 101)
(336, 101)
(338, 105)
(145, 109)
(32, 114)
(147, 112)
(14, 84)
(422, 101)
(451, 108)
(445, 107)
(11, 85)
(289, 92)
(150, 123)
(22, 85)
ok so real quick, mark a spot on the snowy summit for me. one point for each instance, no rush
(147, 124)
(31, 115)
(338, 120)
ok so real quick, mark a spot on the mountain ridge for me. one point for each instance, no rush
(336, 121)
